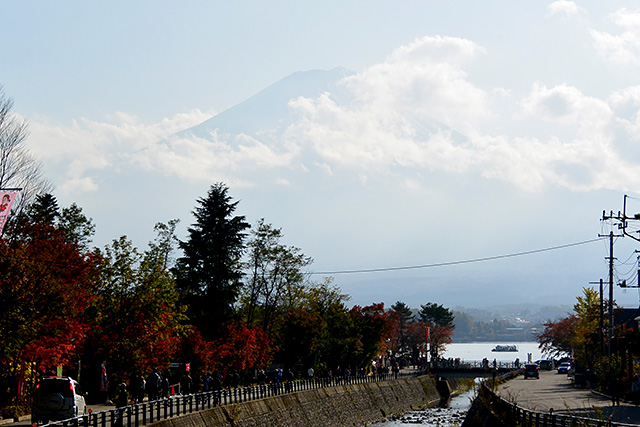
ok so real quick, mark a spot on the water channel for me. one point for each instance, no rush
(451, 415)
(456, 411)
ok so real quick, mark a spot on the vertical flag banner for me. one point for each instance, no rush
(104, 382)
(6, 201)
(427, 331)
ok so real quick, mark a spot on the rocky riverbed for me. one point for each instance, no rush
(443, 417)
(451, 416)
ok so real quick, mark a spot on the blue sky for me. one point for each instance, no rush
(546, 93)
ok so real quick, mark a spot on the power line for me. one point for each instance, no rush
(468, 261)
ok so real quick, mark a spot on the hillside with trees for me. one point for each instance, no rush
(503, 324)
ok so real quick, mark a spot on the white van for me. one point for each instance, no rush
(57, 398)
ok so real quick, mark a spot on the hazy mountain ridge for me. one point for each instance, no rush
(506, 323)
(267, 115)
(269, 109)
(526, 312)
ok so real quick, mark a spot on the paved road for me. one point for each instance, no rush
(556, 391)
(94, 408)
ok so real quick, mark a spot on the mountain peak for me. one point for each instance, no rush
(268, 107)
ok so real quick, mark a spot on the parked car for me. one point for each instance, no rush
(564, 368)
(531, 370)
(57, 398)
(545, 365)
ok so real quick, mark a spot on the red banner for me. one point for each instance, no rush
(6, 201)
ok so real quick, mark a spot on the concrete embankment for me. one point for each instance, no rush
(344, 405)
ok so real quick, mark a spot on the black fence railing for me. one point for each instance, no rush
(512, 414)
(476, 364)
(141, 414)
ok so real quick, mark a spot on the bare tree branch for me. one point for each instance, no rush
(18, 167)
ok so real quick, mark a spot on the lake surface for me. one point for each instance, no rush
(480, 350)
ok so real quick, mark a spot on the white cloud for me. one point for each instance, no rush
(415, 113)
(623, 48)
(78, 185)
(398, 110)
(566, 105)
(626, 104)
(565, 7)
(86, 147)
(233, 159)
(561, 137)
(425, 78)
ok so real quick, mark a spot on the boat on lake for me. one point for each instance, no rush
(505, 348)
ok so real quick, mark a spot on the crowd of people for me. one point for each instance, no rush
(161, 384)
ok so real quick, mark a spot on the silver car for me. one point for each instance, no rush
(57, 398)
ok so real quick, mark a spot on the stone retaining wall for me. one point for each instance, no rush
(344, 405)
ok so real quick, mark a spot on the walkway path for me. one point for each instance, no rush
(556, 391)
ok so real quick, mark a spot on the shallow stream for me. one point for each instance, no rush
(450, 416)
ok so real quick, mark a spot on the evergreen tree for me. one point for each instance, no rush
(406, 316)
(436, 314)
(76, 226)
(402, 316)
(209, 274)
(44, 209)
(440, 320)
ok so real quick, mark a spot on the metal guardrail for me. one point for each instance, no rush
(141, 414)
(512, 414)
(476, 364)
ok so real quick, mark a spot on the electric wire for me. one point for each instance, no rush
(628, 273)
(450, 263)
(627, 261)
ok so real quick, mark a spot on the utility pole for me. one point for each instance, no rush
(622, 220)
(601, 317)
(611, 259)
(610, 291)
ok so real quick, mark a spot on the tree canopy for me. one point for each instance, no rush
(210, 272)
(237, 299)
(436, 314)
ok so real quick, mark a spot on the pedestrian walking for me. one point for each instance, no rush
(186, 384)
(121, 402)
(165, 385)
(153, 381)
(635, 389)
(137, 388)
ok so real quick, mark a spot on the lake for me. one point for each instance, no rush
(480, 350)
